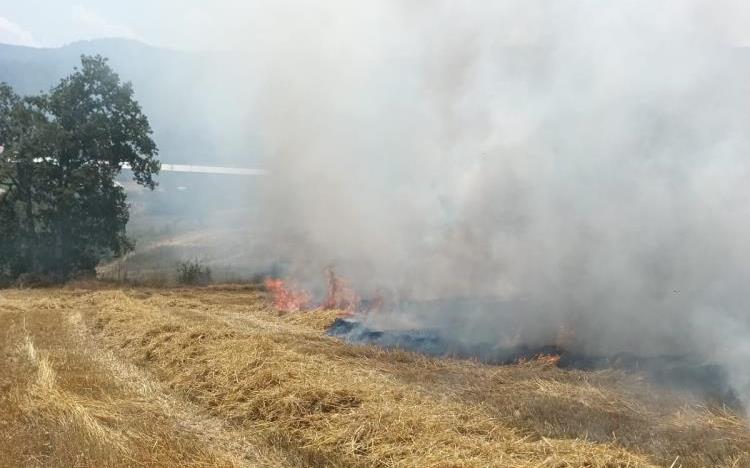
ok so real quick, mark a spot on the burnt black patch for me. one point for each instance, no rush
(686, 373)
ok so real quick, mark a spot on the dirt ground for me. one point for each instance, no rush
(98, 376)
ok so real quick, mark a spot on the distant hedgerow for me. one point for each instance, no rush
(193, 272)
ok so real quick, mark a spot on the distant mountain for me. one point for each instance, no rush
(30, 69)
(192, 104)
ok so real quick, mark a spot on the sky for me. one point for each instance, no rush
(219, 24)
(181, 24)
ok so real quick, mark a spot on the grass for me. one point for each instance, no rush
(100, 376)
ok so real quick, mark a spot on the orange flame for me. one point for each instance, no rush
(545, 360)
(376, 304)
(286, 297)
(548, 360)
(340, 295)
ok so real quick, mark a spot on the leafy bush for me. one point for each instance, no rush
(193, 272)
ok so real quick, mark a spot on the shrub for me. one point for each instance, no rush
(193, 272)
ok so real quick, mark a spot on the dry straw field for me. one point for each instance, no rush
(96, 376)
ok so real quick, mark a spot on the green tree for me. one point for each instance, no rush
(61, 209)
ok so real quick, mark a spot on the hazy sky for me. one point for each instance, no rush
(202, 24)
(193, 24)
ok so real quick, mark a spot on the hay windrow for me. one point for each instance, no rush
(296, 397)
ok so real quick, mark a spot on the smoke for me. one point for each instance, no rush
(498, 170)
(587, 161)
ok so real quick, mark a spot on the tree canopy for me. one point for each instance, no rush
(61, 209)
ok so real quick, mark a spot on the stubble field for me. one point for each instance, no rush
(94, 375)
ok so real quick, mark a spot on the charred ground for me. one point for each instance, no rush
(686, 373)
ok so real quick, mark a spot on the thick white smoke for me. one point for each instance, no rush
(590, 160)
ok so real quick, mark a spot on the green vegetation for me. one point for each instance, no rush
(193, 272)
(61, 210)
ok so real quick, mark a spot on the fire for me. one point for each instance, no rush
(548, 360)
(545, 360)
(375, 304)
(340, 295)
(286, 297)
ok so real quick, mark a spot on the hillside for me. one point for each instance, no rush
(211, 128)
(216, 377)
